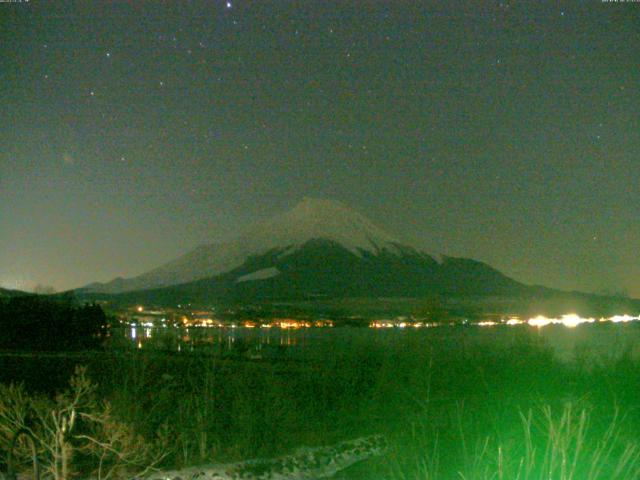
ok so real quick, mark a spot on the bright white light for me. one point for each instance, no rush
(572, 320)
(540, 321)
(621, 318)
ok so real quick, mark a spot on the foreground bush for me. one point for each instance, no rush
(567, 443)
(72, 434)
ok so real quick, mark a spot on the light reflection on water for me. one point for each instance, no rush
(591, 340)
(252, 342)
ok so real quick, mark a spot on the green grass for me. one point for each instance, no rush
(472, 413)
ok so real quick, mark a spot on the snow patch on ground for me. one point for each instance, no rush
(304, 463)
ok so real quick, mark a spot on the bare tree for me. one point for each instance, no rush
(74, 423)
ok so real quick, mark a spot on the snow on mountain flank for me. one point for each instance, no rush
(259, 275)
(310, 219)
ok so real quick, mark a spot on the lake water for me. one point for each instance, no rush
(598, 341)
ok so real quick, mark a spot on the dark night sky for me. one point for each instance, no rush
(504, 132)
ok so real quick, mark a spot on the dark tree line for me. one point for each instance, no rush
(39, 323)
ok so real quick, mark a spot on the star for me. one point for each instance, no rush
(68, 159)
(229, 5)
(108, 54)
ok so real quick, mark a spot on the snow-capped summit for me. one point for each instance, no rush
(311, 219)
(316, 218)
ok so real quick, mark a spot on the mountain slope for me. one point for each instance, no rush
(323, 268)
(6, 293)
(319, 249)
(310, 219)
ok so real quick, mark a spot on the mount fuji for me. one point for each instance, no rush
(320, 248)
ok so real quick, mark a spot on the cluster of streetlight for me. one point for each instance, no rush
(570, 320)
